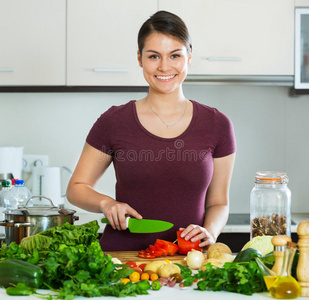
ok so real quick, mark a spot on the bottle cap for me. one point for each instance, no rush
(19, 182)
(13, 181)
(6, 183)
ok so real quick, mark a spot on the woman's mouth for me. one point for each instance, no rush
(161, 77)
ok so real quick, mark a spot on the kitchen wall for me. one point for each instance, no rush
(272, 131)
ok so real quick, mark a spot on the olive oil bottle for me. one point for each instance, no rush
(286, 286)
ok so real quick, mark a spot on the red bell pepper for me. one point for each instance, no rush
(144, 254)
(170, 247)
(160, 248)
(186, 246)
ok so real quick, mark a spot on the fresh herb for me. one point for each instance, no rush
(74, 263)
(20, 289)
(244, 278)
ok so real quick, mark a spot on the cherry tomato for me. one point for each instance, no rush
(142, 266)
(138, 270)
(125, 280)
(135, 276)
(145, 276)
(132, 264)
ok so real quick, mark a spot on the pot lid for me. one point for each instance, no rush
(51, 210)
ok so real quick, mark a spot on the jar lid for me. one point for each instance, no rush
(271, 177)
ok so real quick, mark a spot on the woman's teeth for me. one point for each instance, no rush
(165, 77)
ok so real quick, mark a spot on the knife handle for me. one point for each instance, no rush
(105, 220)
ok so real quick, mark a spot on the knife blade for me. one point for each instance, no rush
(144, 225)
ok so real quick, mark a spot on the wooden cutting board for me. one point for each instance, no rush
(125, 256)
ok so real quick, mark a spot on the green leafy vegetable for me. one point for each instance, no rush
(244, 278)
(73, 263)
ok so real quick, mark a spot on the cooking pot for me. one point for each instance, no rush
(26, 221)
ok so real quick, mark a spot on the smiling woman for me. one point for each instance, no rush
(185, 180)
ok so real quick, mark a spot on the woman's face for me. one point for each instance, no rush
(165, 61)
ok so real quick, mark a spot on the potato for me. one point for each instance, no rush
(216, 249)
(155, 266)
(168, 270)
(215, 262)
(225, 257)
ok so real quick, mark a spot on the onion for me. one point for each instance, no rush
(195, 259)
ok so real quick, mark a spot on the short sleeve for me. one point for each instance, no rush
(226, 140)
(99, 135)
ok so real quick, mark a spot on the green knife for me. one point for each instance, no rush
(144, 225)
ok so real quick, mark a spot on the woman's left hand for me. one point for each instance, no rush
(195, 233)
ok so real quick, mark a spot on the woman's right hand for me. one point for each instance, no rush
(116, 213)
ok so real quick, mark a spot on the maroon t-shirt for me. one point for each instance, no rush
(161, 178)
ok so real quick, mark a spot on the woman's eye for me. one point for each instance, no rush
(154, 56)
(175, 56)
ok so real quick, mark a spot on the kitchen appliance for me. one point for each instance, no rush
(11, 162)
(48, 181)
(144, 225)
(26, 221)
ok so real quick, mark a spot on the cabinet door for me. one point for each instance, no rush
(32, 42)
(238, 37)
(102, 41)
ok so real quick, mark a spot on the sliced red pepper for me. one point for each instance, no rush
(145, 255)
(152, 248)
(157, 253)
(164, 252)
(170, 247)
(186, 246)
(160, 248)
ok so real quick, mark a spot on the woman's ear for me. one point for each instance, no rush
(189, 58)
(139, 58)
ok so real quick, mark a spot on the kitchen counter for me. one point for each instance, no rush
(231, 227)
(167, 293)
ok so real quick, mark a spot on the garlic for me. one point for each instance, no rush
(195, 259)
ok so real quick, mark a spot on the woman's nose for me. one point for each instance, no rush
(164, 65)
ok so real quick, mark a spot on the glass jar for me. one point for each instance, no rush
(270, 205)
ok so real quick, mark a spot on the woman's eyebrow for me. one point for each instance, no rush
(153, 51)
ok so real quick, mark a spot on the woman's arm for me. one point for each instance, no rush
(217, 204)
(80, 192)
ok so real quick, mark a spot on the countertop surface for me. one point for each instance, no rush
(85, 217)
(167, 293)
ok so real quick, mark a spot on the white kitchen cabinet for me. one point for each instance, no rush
(102, 41)
(238, 37)
(32, 42)
(301, 3)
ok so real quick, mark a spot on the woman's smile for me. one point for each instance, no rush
(165, 77)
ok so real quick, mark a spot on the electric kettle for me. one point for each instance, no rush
(48, 181)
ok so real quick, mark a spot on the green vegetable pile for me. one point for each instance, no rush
(241, 277)
(74, 263)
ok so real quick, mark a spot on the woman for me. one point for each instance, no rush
(173, 157)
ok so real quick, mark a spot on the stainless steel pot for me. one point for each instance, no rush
(26, 221)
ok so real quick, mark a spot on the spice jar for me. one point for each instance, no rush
(270, 205)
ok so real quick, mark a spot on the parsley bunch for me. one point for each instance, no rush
(243, 277)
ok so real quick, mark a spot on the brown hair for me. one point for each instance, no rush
(166, 23)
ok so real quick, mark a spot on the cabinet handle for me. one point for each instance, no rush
(224, 58)
(6, 70)
(111, 70)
